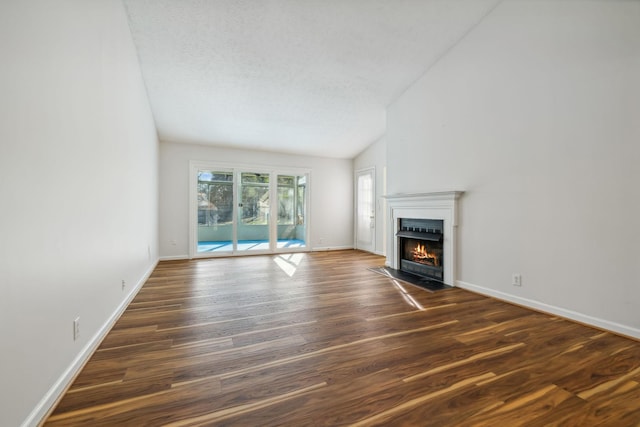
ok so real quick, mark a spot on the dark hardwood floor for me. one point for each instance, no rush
(317, 339)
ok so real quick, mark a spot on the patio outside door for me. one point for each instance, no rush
(365, 210)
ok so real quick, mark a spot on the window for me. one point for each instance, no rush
(215, 197)
(286, 199)
(291, 199)
(301, 202)
(255, 198)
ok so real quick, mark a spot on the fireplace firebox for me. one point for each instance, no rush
(420, 245)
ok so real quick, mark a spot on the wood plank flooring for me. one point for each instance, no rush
(318, 340)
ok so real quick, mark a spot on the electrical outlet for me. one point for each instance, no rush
(123, 284)
(76, 328)
(516, 280)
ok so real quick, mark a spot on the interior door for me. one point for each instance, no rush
(365, 210)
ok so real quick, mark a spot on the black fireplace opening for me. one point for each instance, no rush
(420, 243)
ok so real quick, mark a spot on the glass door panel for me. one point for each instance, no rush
(215, 211)
(254, 207)
(292, 213)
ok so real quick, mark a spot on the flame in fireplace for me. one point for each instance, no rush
(422, 255)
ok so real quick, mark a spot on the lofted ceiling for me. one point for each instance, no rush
(297, 76)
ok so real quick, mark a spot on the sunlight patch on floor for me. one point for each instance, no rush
(406, 296)
(289, 263)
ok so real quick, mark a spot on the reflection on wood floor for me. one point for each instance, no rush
(318, 339)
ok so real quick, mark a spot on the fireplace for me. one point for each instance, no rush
(420, 242)
(421, 235)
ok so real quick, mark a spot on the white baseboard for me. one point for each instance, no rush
(174, 258)
(379, 253)
(551, 309)
(60, 386)
(331, 248)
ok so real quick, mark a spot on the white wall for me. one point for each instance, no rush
(78, 162)
(375, 155)
(536, 114)
(331, 216)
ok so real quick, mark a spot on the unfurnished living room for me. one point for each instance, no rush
(306, 212)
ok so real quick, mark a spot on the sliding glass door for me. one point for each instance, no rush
(239, 211)
(292, 211)
(216, 210)
(253, 226)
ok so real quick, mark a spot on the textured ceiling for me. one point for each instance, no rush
(299, 76)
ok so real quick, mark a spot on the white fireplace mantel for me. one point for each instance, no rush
(439, 205)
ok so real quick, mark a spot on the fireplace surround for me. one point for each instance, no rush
(431, 219)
